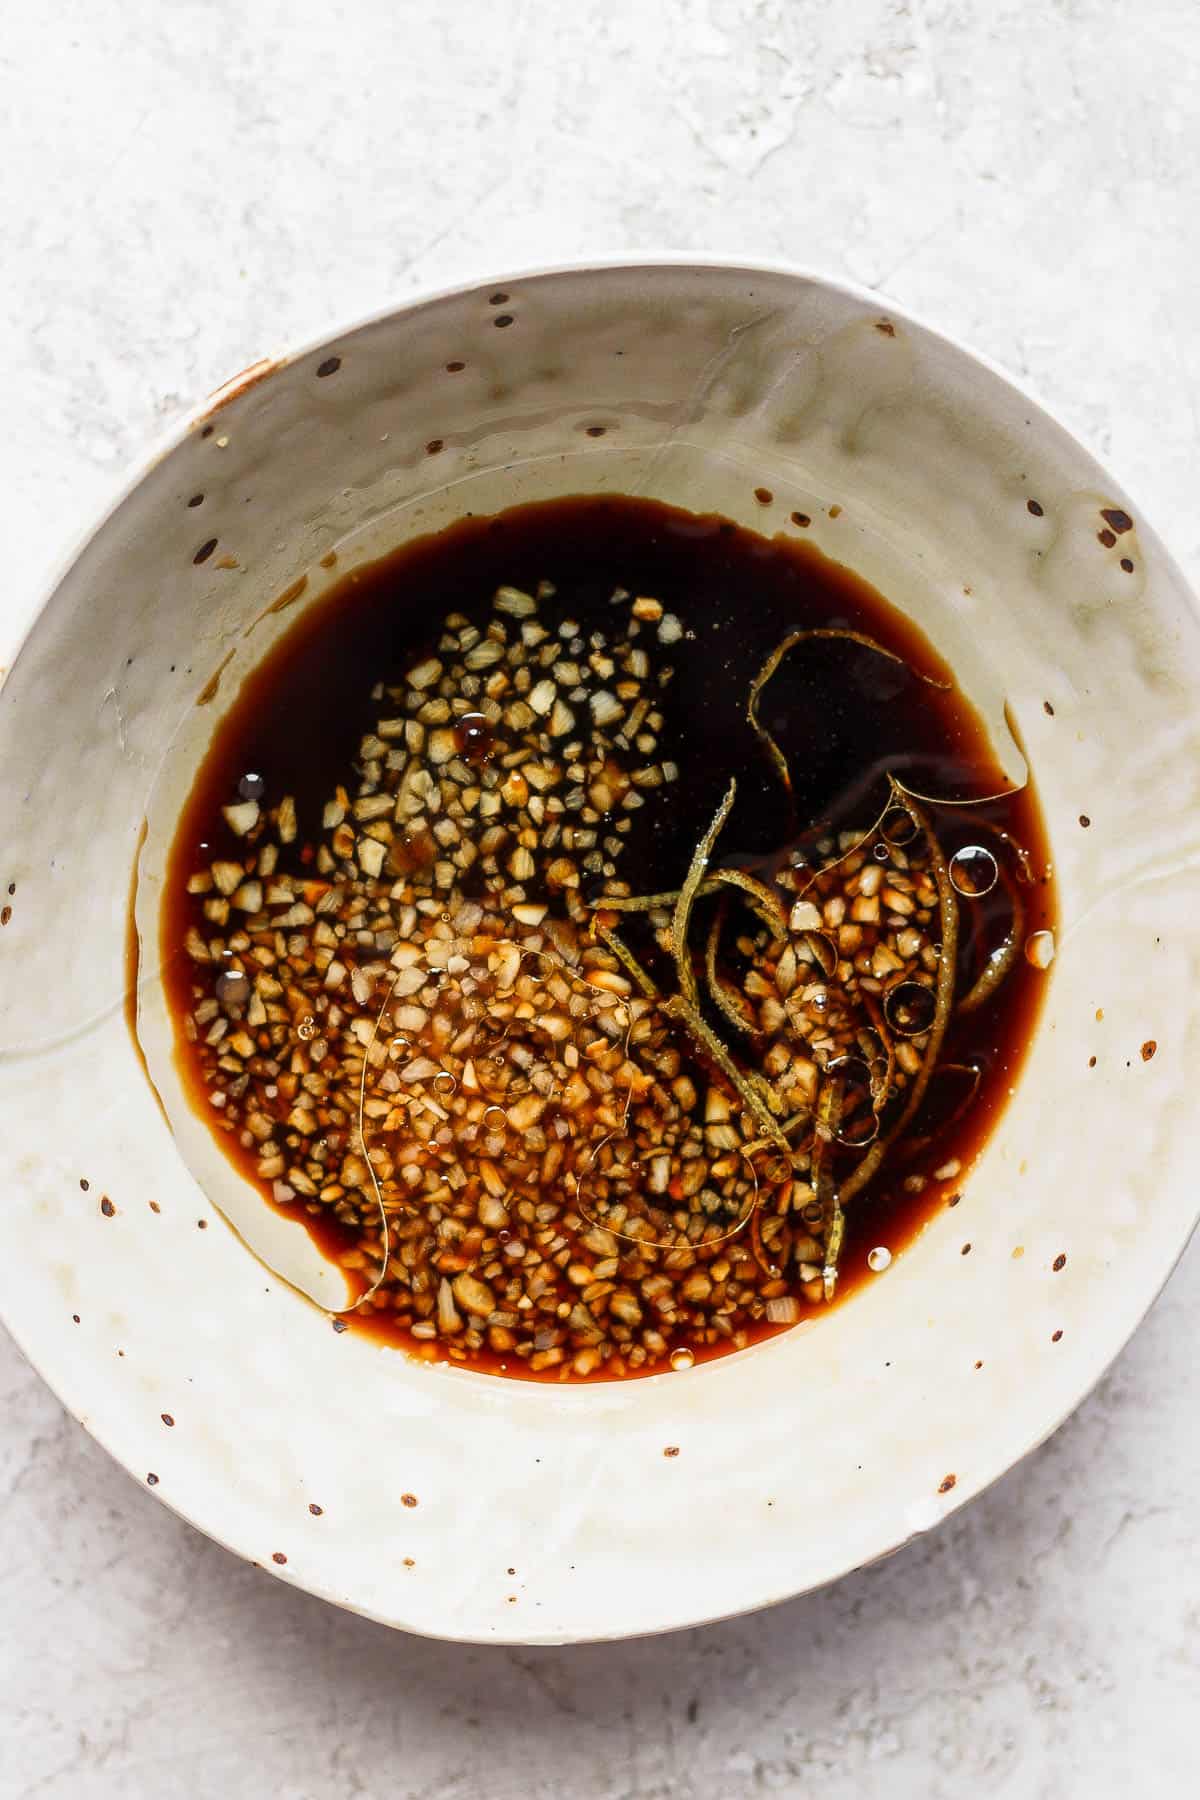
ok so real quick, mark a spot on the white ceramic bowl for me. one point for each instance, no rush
(553, 1514)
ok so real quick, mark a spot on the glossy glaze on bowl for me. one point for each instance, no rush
(617, 1509)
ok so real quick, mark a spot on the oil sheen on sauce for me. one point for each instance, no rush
(843, 717)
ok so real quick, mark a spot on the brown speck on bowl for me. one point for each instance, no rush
(315, 1510)
(166, 1418)
(106, 1206)
(408, 1499)
(1084, 820)
(1054, 1336)
(671, 1450)
(1060, 1262)
(1035, 507)
(1148, 1049)
(277, 1556)
(330, 366)
(205, 551)
(886, 326)
(152, 1480)
(340, 1325)
(946, 1483)
(801, 519)
(764, 496)
(84, 1183)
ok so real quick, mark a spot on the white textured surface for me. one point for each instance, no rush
(180, 191)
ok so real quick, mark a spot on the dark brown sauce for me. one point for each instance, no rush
(843, 716)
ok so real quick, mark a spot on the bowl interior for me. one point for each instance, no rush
(1063, 617)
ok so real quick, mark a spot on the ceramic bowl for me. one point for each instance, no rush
(455, 1503)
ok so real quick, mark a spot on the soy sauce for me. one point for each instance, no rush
(843, 716)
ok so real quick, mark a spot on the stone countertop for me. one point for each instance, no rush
(185, 187)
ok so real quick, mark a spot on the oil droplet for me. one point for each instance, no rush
(494, 1117)
(899, 827)
(682, 1359)
(399, 1046)
(306, 1030)
(445, 1082)
(475, 737)
(232, 987)
(1039, 949)
(252, 786)
(909, 1008)
(973, 871)
(879, 1259)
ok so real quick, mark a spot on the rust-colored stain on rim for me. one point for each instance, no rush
(238, 384)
